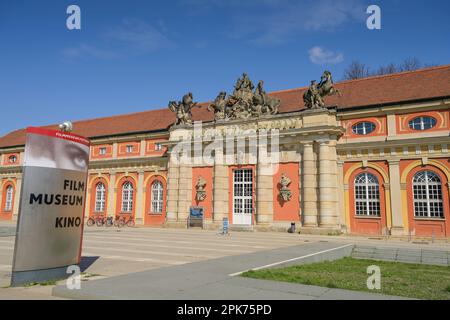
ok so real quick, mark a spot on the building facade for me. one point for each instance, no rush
(373, 160)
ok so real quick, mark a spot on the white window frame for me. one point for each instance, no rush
(428, 201)
(127, 197)
(371, 189)
(422, 123)
(363, 127)
(158, 146)
(243, 195)
(100, 197)
(9, 195)
(157, 197)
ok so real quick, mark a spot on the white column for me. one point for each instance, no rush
(327, 186)
(309, 186)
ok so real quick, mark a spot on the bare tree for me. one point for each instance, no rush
(410, 64)
(389, 69)
(356, 70)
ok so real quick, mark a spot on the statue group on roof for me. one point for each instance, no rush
(248, 102)
(245, 102)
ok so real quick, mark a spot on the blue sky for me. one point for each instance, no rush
(137, 55)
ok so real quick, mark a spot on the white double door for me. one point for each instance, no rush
(242, 196)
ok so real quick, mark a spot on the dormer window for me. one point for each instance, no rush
(102, 151)
(158, 147)
(364, 128)
(422, 123)
(130, 149)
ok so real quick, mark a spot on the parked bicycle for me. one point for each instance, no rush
(109, 222)
(124, 221)
(96, 220)
(100, 220)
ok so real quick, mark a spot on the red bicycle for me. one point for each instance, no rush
(124, 221)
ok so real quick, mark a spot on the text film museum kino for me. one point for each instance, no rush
(367, 156)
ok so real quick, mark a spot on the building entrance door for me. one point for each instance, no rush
(242, 196)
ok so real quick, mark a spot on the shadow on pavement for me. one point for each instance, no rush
(86, 262)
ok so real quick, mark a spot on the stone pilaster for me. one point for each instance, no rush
(221, 193)
(111, 195)
(17, 192)
(264, 193)
(391, 124)
(327, 185)
(115, 150)
(309, 186)
(341, 195)
(1, 191)
(396, 203)
(87, 202)
(142, 148)
(173, 177)
(139, 217)
(184, 193)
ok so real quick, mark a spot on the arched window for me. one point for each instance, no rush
(127, 197)
(100, 197)
(427, 190)
(9, 198)
(367, 195)
(157, 197)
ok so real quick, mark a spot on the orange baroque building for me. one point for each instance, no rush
(373, 161)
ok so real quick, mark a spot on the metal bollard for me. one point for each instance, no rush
(225, 226)
(292, 228)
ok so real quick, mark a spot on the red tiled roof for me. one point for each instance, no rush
(424, 84)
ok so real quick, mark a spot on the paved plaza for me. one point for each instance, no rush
(158, 263)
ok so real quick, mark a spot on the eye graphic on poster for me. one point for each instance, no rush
(56, 153)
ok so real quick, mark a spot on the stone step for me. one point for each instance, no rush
(319, 231)
(420, 256)
(241, 228)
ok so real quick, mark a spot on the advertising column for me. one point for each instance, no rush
(51, 212)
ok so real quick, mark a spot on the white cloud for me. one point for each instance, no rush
(139, 36)
(131, 37)
(274, 22)
(88, 51)
(319, 55)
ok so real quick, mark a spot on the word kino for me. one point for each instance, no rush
(60, 199)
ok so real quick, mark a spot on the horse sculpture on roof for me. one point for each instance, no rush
(313, 98)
